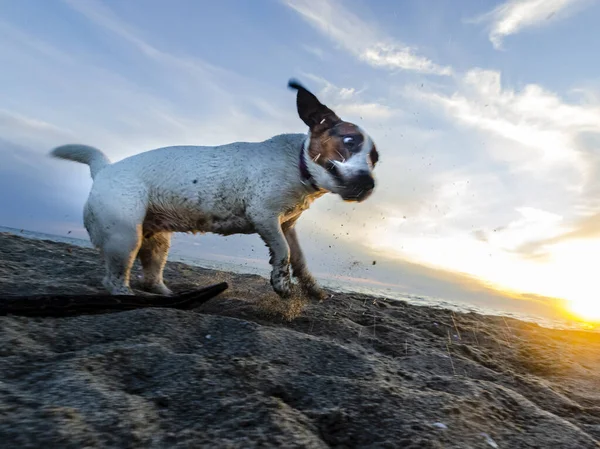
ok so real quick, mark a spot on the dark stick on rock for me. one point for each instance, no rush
(70, 305)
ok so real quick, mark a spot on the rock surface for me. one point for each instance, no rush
(249, 370)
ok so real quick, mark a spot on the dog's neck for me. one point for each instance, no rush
(305, 176)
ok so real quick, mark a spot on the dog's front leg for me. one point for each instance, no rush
(307, 282)
(271, 233)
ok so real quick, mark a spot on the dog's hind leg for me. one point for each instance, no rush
(114, 224)
(153, 257)
(307, 282)
(119, 250)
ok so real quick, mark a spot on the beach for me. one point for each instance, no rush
(248, 369)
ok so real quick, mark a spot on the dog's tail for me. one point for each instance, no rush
(91, 156)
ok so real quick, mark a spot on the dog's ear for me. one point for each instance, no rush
(316, 115)
(374, 155)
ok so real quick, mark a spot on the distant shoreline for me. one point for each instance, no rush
(332, 284)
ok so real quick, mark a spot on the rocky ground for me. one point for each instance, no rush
(249, 370)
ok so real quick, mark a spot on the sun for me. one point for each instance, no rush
(586, 308)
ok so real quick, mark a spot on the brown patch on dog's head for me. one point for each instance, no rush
(335, 144)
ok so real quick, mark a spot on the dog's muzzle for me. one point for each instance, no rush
(359, 187)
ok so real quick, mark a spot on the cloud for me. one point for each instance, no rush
(195, 105)
(315, 51)
(193, 80)
(515, 16)
(30, 130)
(531, 203)
(361, 39)
(584, 228)
(533, 137)
(33, 43)
(371, 110)
(347, 102)
(540, 131)
(102, 16)
(395, 55)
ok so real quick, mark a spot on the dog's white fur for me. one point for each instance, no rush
(240, 188)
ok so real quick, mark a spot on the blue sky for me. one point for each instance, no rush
(486, 116)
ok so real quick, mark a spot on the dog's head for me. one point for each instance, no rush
(341, 155)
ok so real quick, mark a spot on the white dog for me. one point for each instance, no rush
(239, 188)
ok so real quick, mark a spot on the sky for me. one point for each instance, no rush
(486, 116)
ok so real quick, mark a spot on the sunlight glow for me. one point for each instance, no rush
(565, 271)
(586, 308)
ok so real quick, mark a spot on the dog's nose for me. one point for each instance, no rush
(364, 181)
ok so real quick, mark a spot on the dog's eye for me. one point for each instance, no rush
(349, 142)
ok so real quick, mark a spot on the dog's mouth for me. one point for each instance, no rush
(359, 188)
(357, 197)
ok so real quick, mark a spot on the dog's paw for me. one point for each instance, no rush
(158, 289)
(315, 292)
(283, 290)
(282, 284)
(116, 288)
(310, 287)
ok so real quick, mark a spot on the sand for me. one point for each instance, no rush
(250, 370)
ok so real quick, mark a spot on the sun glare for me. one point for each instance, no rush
(586, 308)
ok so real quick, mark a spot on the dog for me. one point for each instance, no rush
(239, 188)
